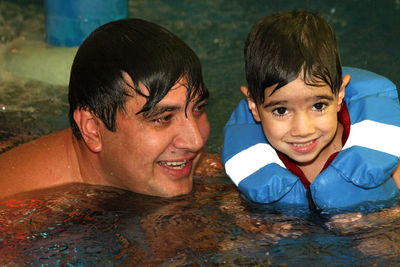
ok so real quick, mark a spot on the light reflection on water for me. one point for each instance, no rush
(85, 225)
(367, 31)
(92, 225)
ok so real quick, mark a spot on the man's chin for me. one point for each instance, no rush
(178, 192)
(176, 188)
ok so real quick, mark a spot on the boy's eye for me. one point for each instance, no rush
(280, 111)
(319, 106)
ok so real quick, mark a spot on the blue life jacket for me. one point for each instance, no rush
(360, 172)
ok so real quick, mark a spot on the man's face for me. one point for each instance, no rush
(300, 120)
(154, 153)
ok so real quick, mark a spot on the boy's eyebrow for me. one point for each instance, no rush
(326, 97)
(157, 110)
(275, 103)
(283, 102)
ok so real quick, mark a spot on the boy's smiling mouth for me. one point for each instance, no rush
(304, 147)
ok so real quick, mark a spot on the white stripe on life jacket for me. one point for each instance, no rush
(250, 160)
(375, 135)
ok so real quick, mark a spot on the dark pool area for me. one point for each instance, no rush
(82, 225)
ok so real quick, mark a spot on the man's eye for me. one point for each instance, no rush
(162, 120)
(281, 111)
(319, 106)
(201, 107)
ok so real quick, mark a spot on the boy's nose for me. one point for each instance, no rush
(302, 125)
(192, 134)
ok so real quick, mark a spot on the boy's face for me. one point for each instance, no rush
(300, 120)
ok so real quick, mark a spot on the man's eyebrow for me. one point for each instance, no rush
(155, 111)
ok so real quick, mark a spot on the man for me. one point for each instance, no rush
(137, 114)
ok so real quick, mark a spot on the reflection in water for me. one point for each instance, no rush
(90, 225)
(101, 226)
(216, 30)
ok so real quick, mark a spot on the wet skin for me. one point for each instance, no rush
(300, 121)
(152, 153)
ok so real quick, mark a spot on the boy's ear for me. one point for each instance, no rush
(245, 91)
(88, 125)
(251, 103)
(342, 90)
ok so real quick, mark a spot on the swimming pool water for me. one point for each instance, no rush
(81, 225)
(367, 31)
(78, 225)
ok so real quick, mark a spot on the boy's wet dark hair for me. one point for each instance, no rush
(147, 52)
(282, 46)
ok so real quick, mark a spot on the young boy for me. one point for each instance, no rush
(298, 139)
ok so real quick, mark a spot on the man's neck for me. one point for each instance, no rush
(87, 164)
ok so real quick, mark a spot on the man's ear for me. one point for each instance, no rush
(88, 125)
(251, 103)
(342, 90)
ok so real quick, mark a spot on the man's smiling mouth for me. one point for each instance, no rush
(175, 165)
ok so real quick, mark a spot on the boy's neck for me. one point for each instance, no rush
(312, 169)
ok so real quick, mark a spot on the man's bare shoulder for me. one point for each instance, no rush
(40, 163)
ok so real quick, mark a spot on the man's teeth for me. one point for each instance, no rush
(304, 144)
(175, 165)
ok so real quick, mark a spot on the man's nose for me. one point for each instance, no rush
(192, 133)
(302, 125)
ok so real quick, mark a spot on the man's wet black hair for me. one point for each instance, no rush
(147, 52)
(282, 46)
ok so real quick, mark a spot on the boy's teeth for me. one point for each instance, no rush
(301, 145)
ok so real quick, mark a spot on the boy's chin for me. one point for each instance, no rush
(304, 160)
